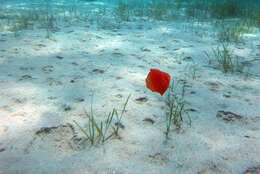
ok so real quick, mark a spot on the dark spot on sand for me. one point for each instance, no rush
(71, 31)
(48, 130)
(141, 66)
(159, 158)
(253, 170)
(192, 110)
(228, 116)
(211, 169)
(48, 69)
(149, 120)
(20, 100)
(52, 98)
(80, 99)
(119, 124)
(119, 95)
(213, 86)
(98, 71)
(41, 45)
(117, 54)
(53, 82)
(240, 48)
(145, 50)
(26, 68)
(74, 63)
(141, 99)
(67, 107)
(118, 77)
(226, 95)
(26, 77)
(163, 47)
(187, 58)
(59, 57)
(192, 92)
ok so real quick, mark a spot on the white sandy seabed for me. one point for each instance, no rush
(45, 84)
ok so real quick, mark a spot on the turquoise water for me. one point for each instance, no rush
(19, 15)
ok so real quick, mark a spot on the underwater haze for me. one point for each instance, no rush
(129, 87)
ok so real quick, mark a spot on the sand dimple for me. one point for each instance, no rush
(158, 158)
(251, 123)
(48, 69)
(211, 169)
(61, 138)
(141, 100)
(229, 116)
(253, 170)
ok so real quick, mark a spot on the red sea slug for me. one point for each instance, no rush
(158, 81)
